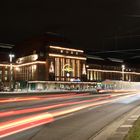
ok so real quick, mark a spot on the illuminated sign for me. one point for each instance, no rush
(67, 68)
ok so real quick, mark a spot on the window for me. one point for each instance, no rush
(78, 68)
(61, 51)
(5, 78)
(6, 72)
(57, 64)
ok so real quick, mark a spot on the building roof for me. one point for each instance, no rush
(39, 43)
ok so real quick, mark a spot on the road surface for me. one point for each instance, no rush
(62, 117)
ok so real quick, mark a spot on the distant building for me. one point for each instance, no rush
(100, 69)
(5, 50)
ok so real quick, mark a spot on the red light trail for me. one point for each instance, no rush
(12, 127)
(23, 111)
(22, 99)
(18, 125)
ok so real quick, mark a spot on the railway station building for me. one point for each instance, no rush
(44, 64)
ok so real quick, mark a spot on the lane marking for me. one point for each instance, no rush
(62, 117)
(91, 108)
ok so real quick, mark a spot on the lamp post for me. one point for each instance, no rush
(11, 56)
(123, 68)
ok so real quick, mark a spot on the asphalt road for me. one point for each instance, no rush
(61, 117)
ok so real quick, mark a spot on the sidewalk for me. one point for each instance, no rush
(118, 129)
(123, 129)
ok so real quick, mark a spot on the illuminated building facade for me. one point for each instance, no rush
(58, 64)
(41, 64)
(54, 64)
(102, 70)
(66, 64)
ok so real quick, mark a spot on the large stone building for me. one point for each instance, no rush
(43, 63)
(53, 64)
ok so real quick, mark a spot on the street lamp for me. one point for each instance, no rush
(123, 68)
(11, 56)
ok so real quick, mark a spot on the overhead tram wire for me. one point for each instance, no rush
(128, 50)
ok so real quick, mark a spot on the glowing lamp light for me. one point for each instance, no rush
(68, 74)
(11, 56)
(123, 66)
(34, 57)
(17, 69)
(72, 79)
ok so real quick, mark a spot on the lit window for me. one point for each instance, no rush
(91, 75)
(34, 67)
(61, 51)
(84, 69)
(71, 52)
(57, 64)
(67, 51)
(5, 78)
(51, 69)
(76, 53)
(0, 71)
(17, 69)
(6, 72)
(78, 68)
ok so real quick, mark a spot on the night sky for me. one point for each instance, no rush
(90, 24)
